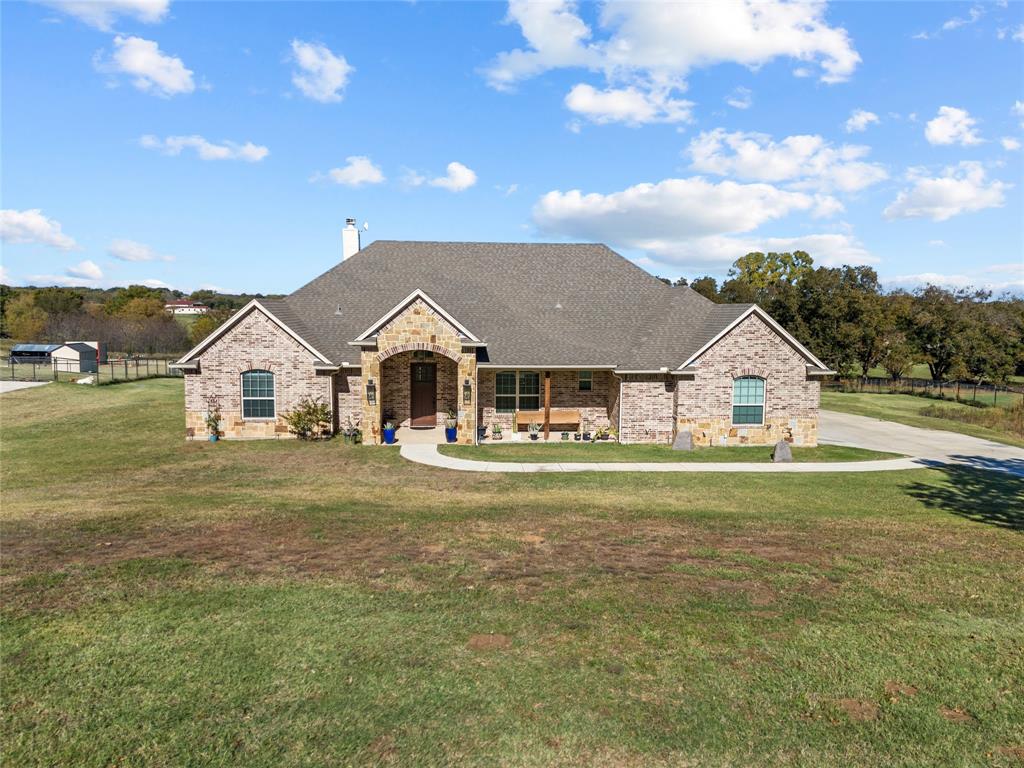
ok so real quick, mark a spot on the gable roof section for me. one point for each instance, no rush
(403, 305)
(753, 309)
(275, 309)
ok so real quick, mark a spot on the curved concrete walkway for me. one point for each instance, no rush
(925, 448)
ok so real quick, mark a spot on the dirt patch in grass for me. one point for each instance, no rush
(489, 642)
(1016, 753)
(956, 715)
(859, 710)
(896, 689)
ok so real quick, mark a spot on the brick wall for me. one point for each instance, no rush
(348, 392)
(594, 406)
(648, 408)
(751, 349)
(254, 343)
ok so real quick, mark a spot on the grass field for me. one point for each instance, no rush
(287, 604)
(613, 452)
(906, 409)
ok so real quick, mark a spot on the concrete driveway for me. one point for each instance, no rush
(14, 386)
(930, 445)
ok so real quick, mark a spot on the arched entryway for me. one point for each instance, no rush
(418, 388)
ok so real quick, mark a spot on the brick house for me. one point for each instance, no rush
(570, 336)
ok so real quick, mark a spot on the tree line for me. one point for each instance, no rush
(129, 320)
(844, 316)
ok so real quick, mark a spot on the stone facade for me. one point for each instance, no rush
(648, 407)
(704, 404)
(595, 406)
(396, 385)
(255, 343)
(418, 328)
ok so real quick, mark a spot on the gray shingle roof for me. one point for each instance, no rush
(534, 304)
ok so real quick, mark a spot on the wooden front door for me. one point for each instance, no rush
(423, 395)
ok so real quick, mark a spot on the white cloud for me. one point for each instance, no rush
(956, 22)
(740, 98)
(322, 75)
(627, 105)
(457, 179)
(206, 150)
(937, 243)
(859, 120)
(805, 161)
(1010, 144)
(87, 270)
(102, 14)
(511, 189)
(154, 283)
(961, 280)
(652, 47)
(5, 276)
(952, 126)
(1018, 110)
(129, 250)
(357, 171)
(151, 70)
(644, 215)
(828, 250)
(32, 226)
(963, 188)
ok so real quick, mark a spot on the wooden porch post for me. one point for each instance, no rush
(547, 404)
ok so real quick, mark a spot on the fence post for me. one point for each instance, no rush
(126, 369)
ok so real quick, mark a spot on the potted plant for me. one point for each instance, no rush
(565, 435)
(213, 423)
(534, 429)
(613, 434)
(389, 432)
(213, 417)
(577, 436)
(495, 431)
(350, 431)
(451, 427)
(481, 433)
(586, 435)
(601, 433)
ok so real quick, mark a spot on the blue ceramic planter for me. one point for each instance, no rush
(213, 438)
(389, 437)
(451, 434)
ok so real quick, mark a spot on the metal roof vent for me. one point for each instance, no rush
(337, 311)
(558, 305)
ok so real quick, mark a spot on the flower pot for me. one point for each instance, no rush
(213, 438)
(565, 435)
(586, 435)
(389, 436)
(496, 436)
(576, 437)
(481, 433)
(534, 435)
(451, 434)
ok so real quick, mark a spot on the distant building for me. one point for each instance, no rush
(69, 357)
(185, 307)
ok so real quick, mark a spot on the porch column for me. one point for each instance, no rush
(547, 404)
(467, 411)
(371, 412)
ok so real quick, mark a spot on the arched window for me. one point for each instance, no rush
(748, 400)
(257, 395)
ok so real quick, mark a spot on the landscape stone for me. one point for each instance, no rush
(683, 441)
(782, 452)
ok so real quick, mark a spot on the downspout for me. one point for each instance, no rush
(618, 420)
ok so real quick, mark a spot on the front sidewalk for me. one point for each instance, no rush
(428, 454)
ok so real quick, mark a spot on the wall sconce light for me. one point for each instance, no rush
(371, 391)
(467, 393)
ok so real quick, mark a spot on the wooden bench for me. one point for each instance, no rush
(560, 416)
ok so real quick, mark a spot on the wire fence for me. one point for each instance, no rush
(964, 391)
(114, 370)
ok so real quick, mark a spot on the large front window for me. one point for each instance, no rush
(516, 391)
(257, 395)
(748, 400)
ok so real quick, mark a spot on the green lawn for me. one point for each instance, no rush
(308, 604)
(613, 452)
(906, 409)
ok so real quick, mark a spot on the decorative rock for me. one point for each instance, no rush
(782, 452)
(683, 441)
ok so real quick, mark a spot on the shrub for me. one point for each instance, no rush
(310, 419)
(1006, 419)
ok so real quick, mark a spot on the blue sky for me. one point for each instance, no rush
(222, 145)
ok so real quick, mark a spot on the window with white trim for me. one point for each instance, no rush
(257, 395)
(748, 400)
(586, 381)
(516, 391)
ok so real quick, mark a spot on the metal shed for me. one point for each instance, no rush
(33, 353)
(76, 357)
